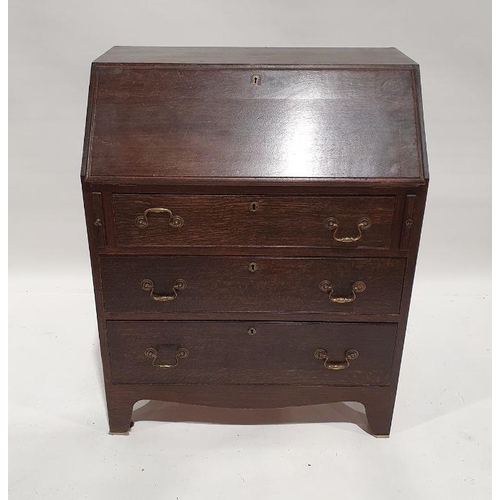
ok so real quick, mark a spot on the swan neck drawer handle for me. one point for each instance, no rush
(350, 355)
(357, 287)
(149, 286)
(173, 220)
(152, 353)
(333, 225)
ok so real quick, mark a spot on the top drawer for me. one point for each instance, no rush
(253, 221)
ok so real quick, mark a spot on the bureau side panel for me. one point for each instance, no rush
(416, 198)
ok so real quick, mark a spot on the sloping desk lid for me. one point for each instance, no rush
(172, 114)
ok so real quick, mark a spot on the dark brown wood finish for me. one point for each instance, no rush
(253, 221)
(98, 222)
(250, 352)
(203, 123)
(256, 284)
(255, 57)
(320, 133)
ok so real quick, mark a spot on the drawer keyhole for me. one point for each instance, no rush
(252, 267)
(256, 79)
(254, 206)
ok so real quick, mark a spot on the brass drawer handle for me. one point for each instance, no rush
(152, 353)
(357, 287)
(149, 286)
(333, 225)
(173, 220)
(350, 355)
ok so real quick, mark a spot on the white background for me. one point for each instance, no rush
(59, 446)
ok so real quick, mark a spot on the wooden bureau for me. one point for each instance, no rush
(253, 219)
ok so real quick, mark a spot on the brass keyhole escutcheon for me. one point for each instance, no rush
(251, 331)
(256, 79)
(254, 206)
(252, 267)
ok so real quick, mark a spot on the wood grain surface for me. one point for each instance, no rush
(254, 148)
(202, 123)
(304, 57)
(226, 284)
(253, 221)
(224, 352)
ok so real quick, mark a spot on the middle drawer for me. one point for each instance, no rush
(252, 284)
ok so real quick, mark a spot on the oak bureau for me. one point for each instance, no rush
(253, 219)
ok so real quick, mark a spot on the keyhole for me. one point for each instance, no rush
(252, 331)
(256, 80)
(254, 206)
(252, 267)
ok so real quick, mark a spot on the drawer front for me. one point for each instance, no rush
(252, 284)
(190, 352)
(199, 123)
(179, 221)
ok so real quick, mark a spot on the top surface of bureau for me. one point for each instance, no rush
(195, 115)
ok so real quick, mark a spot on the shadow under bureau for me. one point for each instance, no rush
(253, 219)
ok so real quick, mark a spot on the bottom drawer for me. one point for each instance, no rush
(234, 352)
